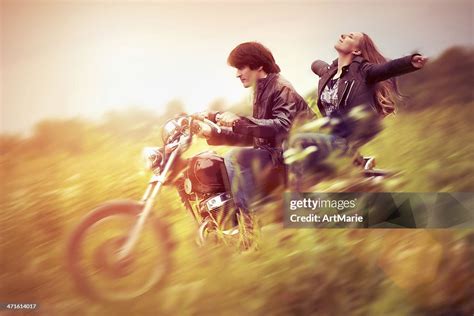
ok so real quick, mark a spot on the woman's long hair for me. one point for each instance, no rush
(387, 95)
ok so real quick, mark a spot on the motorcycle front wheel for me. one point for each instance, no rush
(92, 253)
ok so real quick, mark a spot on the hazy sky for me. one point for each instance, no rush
(82, 58)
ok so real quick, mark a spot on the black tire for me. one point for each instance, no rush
(116, 269)
(240, 236)
(207, 228)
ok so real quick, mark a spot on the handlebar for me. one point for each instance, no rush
(207, 121)
(173, 129)
(212, 124)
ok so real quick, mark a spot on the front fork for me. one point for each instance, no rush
(154, 187)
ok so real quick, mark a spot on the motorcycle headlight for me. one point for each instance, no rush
(169, 130)
(152, 157)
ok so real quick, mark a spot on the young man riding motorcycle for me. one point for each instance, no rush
(276, 104)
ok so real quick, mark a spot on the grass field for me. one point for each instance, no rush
(47, 190)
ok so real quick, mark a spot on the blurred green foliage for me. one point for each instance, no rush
(50, 180)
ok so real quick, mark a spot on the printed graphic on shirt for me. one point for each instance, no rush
(329, 96)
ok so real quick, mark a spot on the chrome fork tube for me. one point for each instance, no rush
(147, 192)
(137, 228)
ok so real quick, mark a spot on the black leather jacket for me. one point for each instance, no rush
(358, 79)
(276, 105)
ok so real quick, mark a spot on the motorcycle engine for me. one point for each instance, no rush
(206, 173)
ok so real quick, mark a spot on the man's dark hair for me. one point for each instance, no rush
(253, 55)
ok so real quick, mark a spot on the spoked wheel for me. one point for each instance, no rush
(92, 253)
(240, 236)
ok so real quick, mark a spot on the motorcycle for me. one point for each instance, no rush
(202, 184)
(128, 230)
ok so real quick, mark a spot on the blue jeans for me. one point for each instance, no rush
(245, 168)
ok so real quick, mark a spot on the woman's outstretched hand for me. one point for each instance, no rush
(419, 61)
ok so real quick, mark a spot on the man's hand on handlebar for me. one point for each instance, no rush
(226, 118)
(205, 122)
(201, 129)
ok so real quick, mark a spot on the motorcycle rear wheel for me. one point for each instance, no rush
(241, 236)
